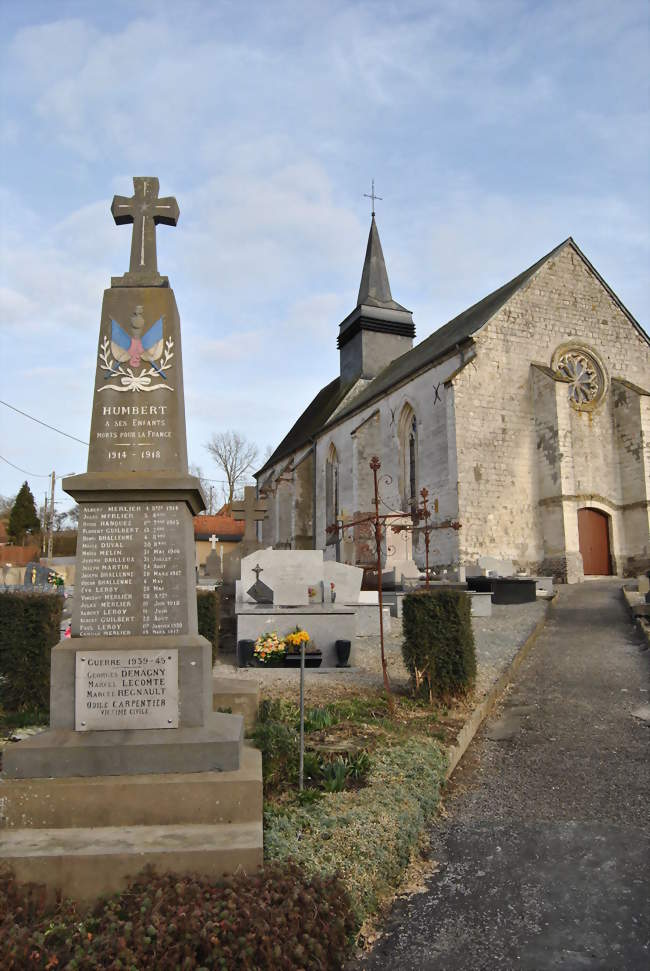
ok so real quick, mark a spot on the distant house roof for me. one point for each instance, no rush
(425, 354)
(225, 528)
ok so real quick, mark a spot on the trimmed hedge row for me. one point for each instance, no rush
(208, 609)
(438, 647)
(278, 918)
(29, 629)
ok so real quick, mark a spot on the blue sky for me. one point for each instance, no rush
(493, 129)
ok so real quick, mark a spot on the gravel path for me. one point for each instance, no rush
(542, 859)
(498, 638)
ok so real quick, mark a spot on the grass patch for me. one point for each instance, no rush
(373, 784)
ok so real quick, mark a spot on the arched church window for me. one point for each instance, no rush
(408, 436)
(331, 491)
(413, 453)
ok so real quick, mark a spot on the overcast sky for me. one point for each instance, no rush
(493, 128)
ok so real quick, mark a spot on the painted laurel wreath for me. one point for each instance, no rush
(129, 381)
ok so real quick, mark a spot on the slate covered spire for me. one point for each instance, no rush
(379, 329)
(374, 290)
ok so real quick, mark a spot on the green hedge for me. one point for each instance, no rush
(438, 646)
(29, 629)
(207, 607)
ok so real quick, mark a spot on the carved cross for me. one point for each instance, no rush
(249, 510)
(213, 540)
(257, 570)
(145, 210)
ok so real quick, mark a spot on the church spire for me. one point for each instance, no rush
(374, 290)
(379, 329)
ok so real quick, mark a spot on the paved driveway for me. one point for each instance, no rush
(544, 861)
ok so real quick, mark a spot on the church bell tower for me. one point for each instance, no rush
(379, 329)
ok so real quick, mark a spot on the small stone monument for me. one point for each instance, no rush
(214, 561)
(131, 690)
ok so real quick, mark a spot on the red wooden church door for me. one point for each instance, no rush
(593, 537)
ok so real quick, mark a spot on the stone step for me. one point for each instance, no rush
(85, 863)
(174, 799)
(242, 697)
(60, 752)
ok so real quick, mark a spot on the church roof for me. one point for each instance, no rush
(444, 340)
(313, 418)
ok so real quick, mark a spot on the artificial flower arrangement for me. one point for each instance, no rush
(269, 649)
(296, 638)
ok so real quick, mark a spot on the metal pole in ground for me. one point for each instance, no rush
(301, 770)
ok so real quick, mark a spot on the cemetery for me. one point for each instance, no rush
(178, 698)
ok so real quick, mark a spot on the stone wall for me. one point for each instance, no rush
(503, 444)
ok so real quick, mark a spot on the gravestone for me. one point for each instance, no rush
(131, 690)
(213, 562)
(250, 510)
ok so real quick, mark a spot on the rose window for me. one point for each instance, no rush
(583, 374)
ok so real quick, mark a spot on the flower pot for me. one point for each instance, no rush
(245, 653)
(343, 649)
(311, 660)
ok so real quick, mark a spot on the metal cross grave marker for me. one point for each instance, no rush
(145, 210)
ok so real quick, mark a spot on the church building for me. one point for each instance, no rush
(527, 417)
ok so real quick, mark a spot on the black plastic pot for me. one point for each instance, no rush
(245, 653)
(343, 649)
(311, 660)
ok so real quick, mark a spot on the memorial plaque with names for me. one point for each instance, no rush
(130, 579)
(115, 690)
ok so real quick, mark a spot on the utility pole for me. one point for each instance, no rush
(50, 538)
(44, 533)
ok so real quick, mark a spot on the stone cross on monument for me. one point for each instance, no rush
(250, 510)
(145, 210)
(213, 542)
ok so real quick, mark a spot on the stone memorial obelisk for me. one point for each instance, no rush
(131, 690)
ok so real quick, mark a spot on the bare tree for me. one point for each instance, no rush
(208, 488)
(235, 456)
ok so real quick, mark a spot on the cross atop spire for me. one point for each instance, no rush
(373, 197)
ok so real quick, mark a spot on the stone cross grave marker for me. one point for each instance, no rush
(213, 542)
(251, 511)
(145, 210)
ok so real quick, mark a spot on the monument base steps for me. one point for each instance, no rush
(88, 863)
(242, 697)
(63, 753)
(55, 831)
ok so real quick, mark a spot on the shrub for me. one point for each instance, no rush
(29, 629)
(207, 608)
(438, 646)
(277, 918)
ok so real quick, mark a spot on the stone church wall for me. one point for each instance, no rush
(499, 441)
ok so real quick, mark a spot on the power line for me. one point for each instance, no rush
(36, 475)
(39, 422)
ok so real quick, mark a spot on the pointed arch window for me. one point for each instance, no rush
(331, 492)
(408, 444)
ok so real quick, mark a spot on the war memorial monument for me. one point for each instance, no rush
(136, 767)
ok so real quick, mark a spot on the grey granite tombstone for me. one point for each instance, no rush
(131, 691)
